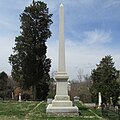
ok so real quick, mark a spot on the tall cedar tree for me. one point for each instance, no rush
(104, 79)
(30, 67)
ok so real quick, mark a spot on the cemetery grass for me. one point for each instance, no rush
(12, 110)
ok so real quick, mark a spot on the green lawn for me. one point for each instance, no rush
(36, 111)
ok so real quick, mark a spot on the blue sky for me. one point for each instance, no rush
(91, 31)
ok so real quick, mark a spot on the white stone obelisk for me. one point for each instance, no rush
(61, 102)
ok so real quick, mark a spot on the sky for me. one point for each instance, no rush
(91, 32)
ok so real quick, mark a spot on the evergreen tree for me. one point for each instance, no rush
(3, 84)
(104, 79)
(3, 81)
(30, 66)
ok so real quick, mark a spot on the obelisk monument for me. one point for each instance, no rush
(61, 102)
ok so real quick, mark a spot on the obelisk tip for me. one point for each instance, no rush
(61, 5)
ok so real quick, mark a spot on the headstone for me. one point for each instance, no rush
(19, 97)
(111, 102)
(76, 98)
(99, 99)
(61, 103)
(12, 95)
(49, 100)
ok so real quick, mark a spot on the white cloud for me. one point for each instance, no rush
(112, 3)
(97, 37)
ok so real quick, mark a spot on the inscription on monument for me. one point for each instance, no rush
(62, 98)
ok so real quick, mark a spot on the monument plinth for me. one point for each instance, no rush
(61, 103)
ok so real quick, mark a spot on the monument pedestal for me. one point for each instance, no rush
(61, 105)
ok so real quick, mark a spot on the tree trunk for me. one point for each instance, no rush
(34, 92)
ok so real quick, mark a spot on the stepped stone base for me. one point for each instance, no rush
(62, 107)
(56, 110)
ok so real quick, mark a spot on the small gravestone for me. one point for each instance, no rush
(111, 101)
(49, 100)
(12, 95)
(99, 99)
(76, 98)
(19, 97)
